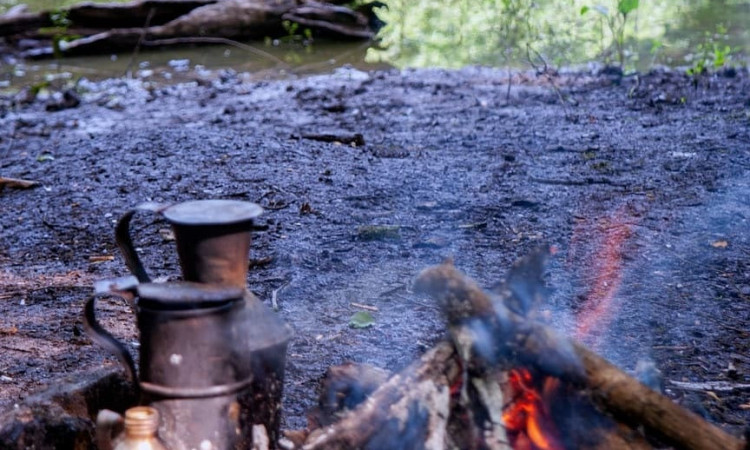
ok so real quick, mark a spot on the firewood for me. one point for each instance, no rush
(409, 410)
(510, 339)
(413, 410)
(519, 340)
(635, 404)
(343, 388)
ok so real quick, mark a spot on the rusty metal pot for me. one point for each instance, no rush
(211, 362)
(213, 239)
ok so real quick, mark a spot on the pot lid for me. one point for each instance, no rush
(212, 212)
(186, 295)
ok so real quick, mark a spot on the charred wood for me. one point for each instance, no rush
(409, 411)
(344, 388)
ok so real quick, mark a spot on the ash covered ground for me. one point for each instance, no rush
(640, 182)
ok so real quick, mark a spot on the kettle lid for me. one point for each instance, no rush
(181, 295)
(212, 212)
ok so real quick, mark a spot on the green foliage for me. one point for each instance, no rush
(59, 31)
(516, 31)
(362, 319)
(295, 33)
(36, 88)
(290, 28)
(298, 40)
(625, 7)
(454, 33)
(615, 23)
(710, 53)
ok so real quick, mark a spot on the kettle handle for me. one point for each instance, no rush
(102, 337)
(125, 242)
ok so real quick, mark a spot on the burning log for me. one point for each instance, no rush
(504, 381)
(455, 396)
(516, 340)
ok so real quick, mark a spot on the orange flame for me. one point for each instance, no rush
(526, 418)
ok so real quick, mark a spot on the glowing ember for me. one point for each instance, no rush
(526, 418)
(598, 307)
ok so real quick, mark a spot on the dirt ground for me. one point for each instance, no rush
(640, 182)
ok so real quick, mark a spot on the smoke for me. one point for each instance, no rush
(641, 280)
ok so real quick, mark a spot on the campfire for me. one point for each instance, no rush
(504, 380)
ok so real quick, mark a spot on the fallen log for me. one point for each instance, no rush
(19, 20)
(335, 19)
(99, 17)
(92, 28)
(612, 390)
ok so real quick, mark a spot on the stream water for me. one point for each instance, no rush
(452, 34)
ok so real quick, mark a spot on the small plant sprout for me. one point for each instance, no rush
(616, 22)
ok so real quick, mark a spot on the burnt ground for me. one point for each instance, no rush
(642, 185)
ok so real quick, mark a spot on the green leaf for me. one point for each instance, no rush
(584, 10)
(361, 319)
(627, 6)
(378, 232)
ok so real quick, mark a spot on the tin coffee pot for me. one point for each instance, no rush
(212, 355)
(213, 239)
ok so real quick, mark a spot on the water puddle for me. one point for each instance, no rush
(255, 60)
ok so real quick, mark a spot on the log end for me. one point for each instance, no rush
(458, 297)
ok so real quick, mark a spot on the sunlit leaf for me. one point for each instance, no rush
(361, 319)
(627, 6)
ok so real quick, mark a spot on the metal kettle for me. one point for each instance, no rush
(212, 355)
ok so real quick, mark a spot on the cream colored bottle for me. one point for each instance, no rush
(140, 429)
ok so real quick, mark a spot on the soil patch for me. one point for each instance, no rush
(366, 178)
